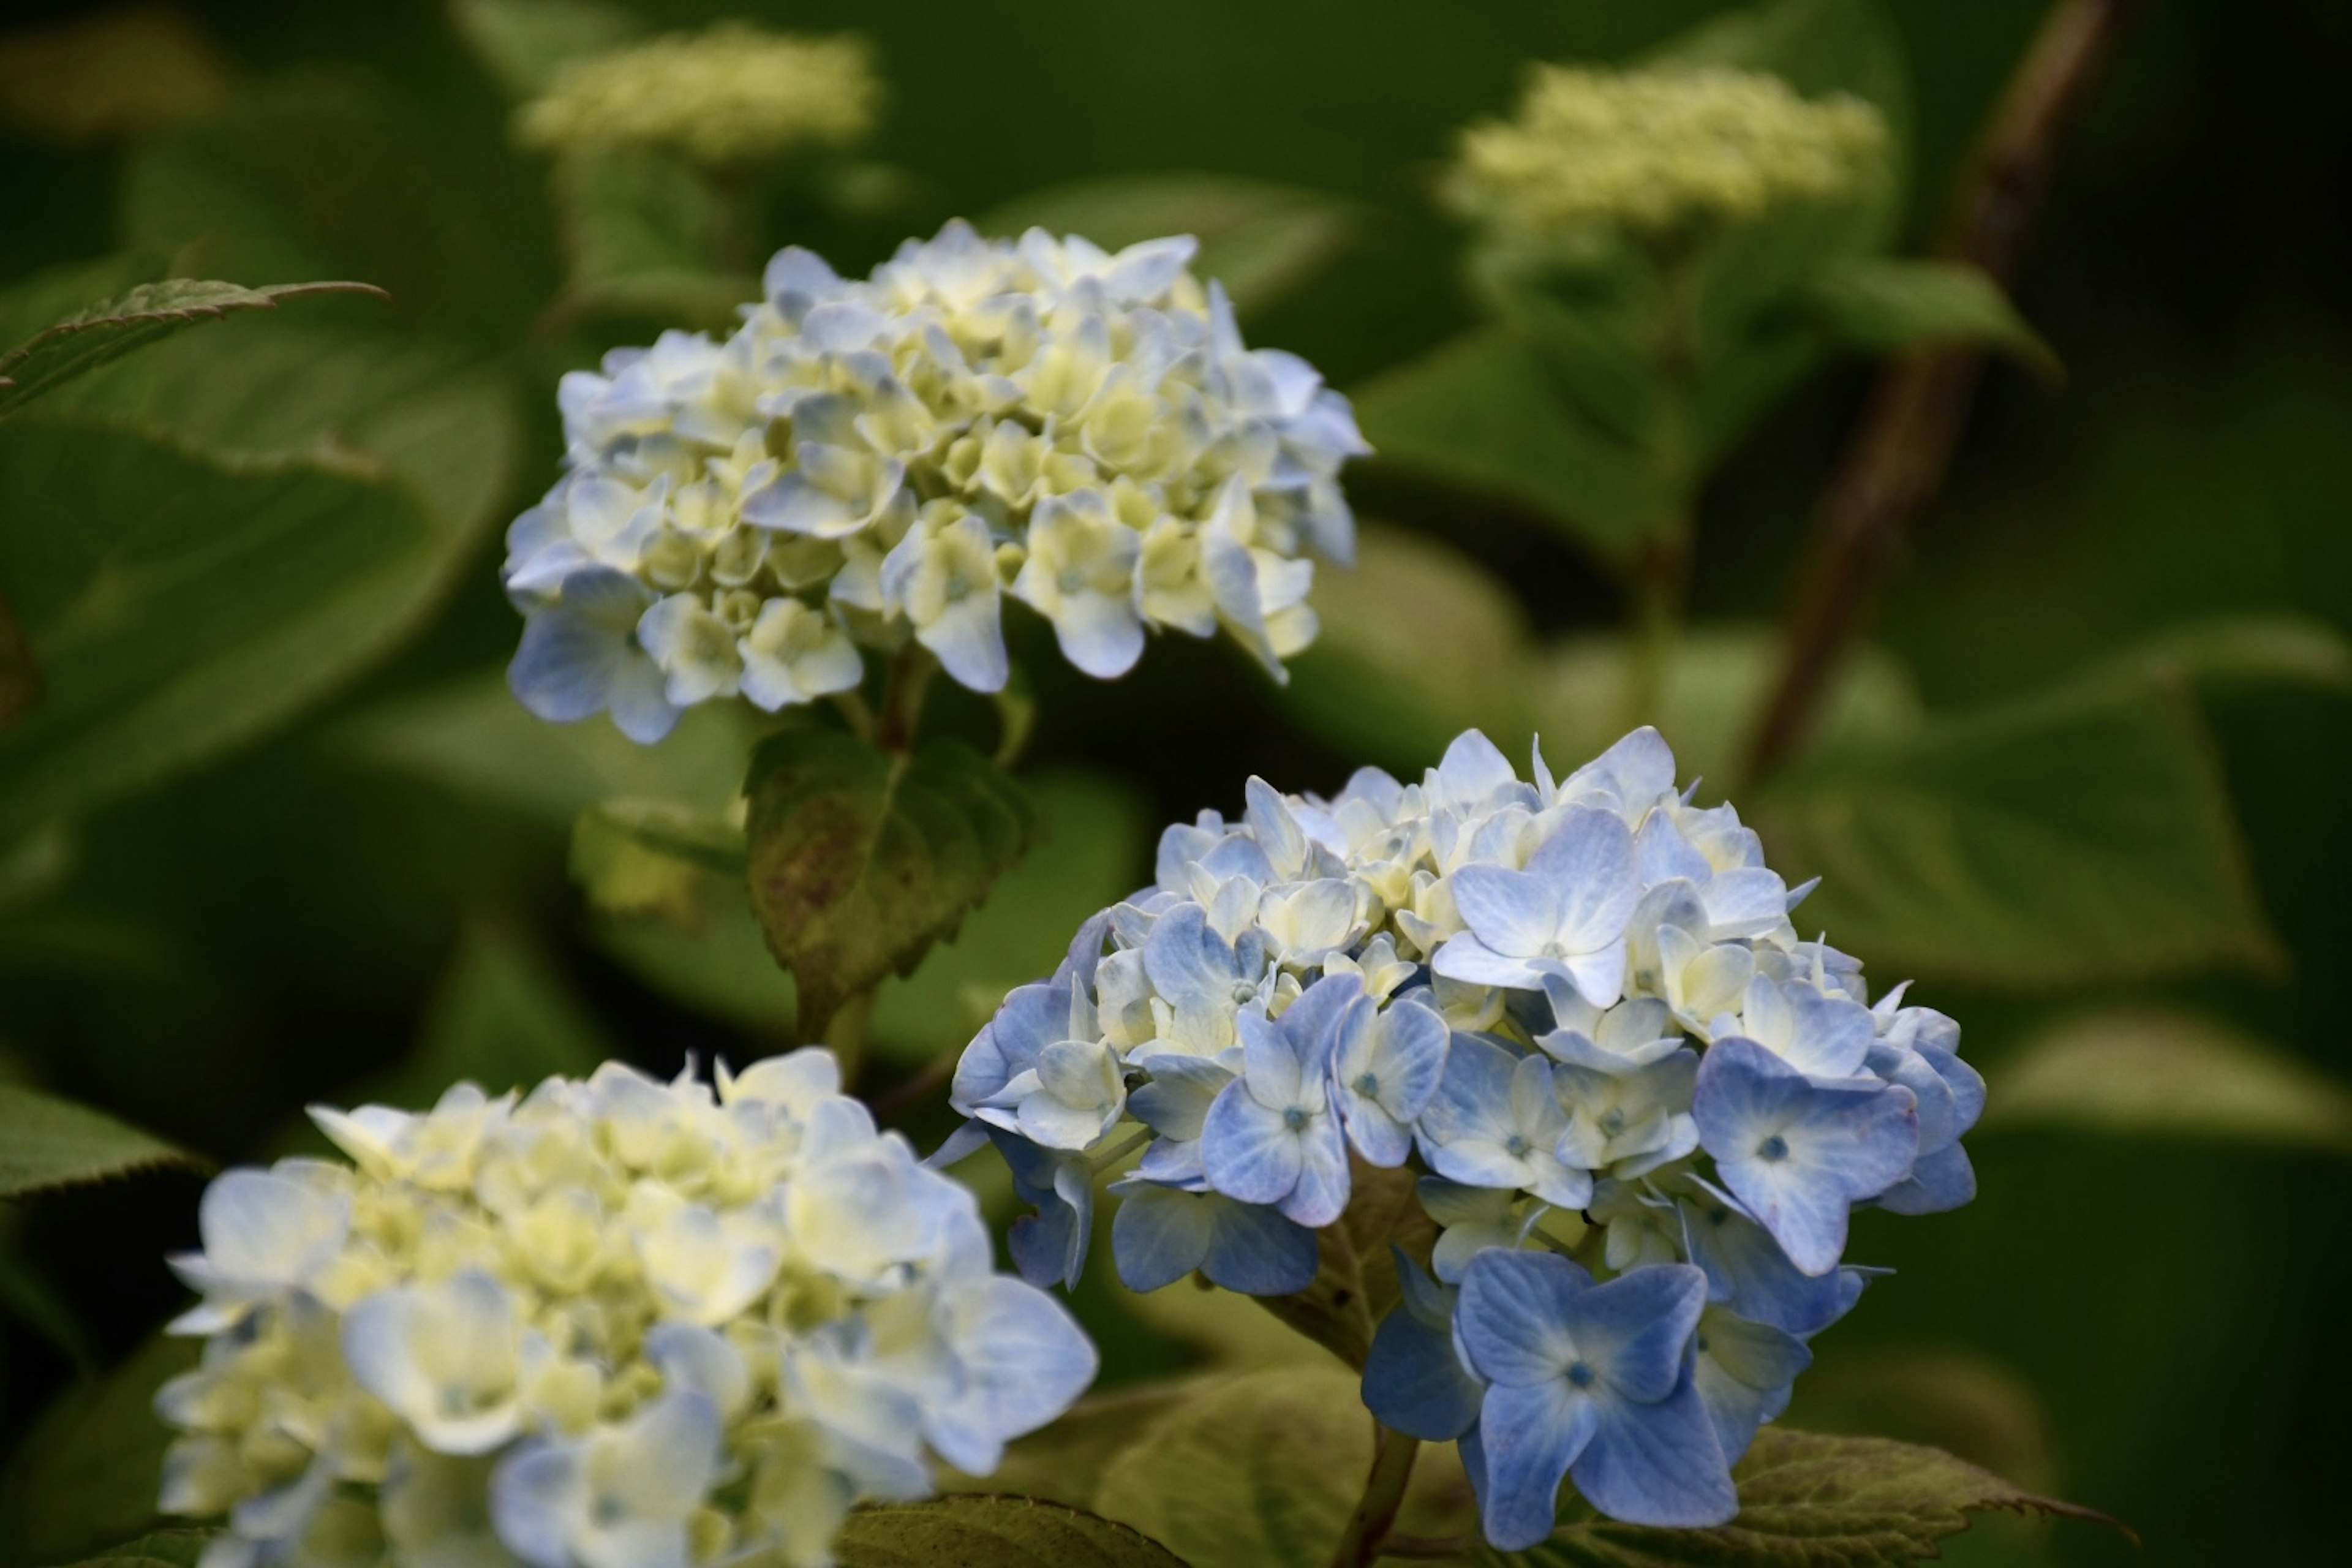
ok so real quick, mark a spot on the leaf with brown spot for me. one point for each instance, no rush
(861, 860)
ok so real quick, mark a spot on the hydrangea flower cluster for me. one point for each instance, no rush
(866, 461)
(614, 1322)
(1643, 1106)
(1660, 153)
(728, 96)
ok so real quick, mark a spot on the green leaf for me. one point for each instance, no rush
(2251, 652)
(1714, 680)
(503, 1018)
(472, 738)
(643, 235)
(2162, 1072)
(1485, 414)
(1091, 849)
(31, 1297)
(1808, 1502)
(644, 856)
(86, 1473)
(1262, 240)
(980, 1531)
(525, 44)
(2080, 836)
(1418, 643)
(1887, 305)
(1356, 1271)
(1966, 1403)
(117, 73)
(48, 1142)
(1266, 1468)
(1064, 1463)
(156, 1548)
(106, 331)
(862, 860)
(180, 606)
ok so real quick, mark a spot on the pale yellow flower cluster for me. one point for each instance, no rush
(731, 94)
(1660, 153)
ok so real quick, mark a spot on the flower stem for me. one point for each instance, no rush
(1376, 1511)
(1899, 458)
(902, 697)
(1122, 1149)
(845, 1032)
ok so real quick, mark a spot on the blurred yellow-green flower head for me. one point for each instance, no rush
(731, 94)
(1656, 155)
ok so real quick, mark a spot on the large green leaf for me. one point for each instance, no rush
(1806, 1502)
(1356, 1271)
(86, 1473)
(105, 332)
(156, 1548)
(1887, 305)
(49, 1142)
(981, 1530)
(644, 235)
(1484, 414)
(1971, 1406)
(1419, 642)
(503, 1018)
(2080, 836)
(2162, 1072)
(636, 857)
(1266, 1468)
(1262, 240)
(525, 44)
(180, 605)
(861, 860)
(1065, 1462)
(1715, 680)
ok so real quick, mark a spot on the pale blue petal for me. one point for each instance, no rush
(1745, 1373)
(969, 637)
(1512, 1315)
(1530, 1435)
(1747, 1270)
(1472, 961)
(1101, 636)
(1657, 1464)
(1321, 1191)
(1634, 1330)
(1190, 966)
(1938, 1183)
(1415, 1383)
(1589, 861)
(1256, 1251)
(1247, 1151)
(1159, 1234)
(1513, 913)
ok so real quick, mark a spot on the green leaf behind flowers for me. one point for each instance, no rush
(1887, 305)
(1356, 1270)
(156, 1548)
(1266, 1468)
(1805, 1502)
(985, 1531)
(861, 860)
(152, 311)
(48, 1142)
(86, 1473)
(2151, 1071)
(2085, 835)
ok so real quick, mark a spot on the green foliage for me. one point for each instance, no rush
(48, 1142)
(526, 43)
(502, 1017)
(1265, 1468)
(1485, 414)
(640, 856)
(156, 1548)
(106, 331)
(1806, 1502)
(1970, 1404)
(2160, 1072)
(1262, 241)
(646, 236)
(985, 1532)
(2081, 835)
(180, 605)
(861, 860)
(86, 1472)
(1884, 305)
(1356, 1270)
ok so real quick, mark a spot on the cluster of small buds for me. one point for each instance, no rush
(729, 96)
(616, 1321)
(866, 461)
(1643, 1107)
(1660, 154)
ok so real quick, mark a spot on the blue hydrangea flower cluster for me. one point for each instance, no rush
(867, 460)
(1644, 1106)
(614, 1321)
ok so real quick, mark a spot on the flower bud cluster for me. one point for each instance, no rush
(866, 461)
(728, 96)
(612, 1322)
(1642, 1106)
(1659, 155)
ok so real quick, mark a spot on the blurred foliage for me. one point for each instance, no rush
(271, 830)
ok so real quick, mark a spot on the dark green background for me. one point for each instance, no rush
(2175, 1309)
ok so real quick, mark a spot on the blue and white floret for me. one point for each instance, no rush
(611, 1322)
(866, 461)
(1640, 1109)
